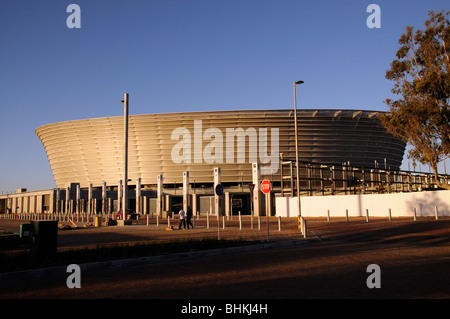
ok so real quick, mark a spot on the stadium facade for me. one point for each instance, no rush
(86, 156)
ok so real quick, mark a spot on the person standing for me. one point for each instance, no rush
(188, 218)
(182, 215)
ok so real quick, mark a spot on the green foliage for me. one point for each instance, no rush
(421, 75)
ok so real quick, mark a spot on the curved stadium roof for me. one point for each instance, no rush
(91, 150)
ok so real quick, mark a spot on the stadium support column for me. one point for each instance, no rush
(67, 200)
(89, 209)
(78, 199)
(159, 199)
(104, 198)
(256, 171)
(58, 200)
(217, 181)
(119, 195)
(185, 190)
(138, 195)
(227, 204)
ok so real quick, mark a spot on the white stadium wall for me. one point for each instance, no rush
(378, 205)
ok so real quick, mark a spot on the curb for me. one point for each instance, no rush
(33, 274)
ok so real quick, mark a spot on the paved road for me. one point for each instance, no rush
(414, 259)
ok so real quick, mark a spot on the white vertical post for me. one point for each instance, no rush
(159, 198)
(119, 195)
(267, 213)
(303, 226)
(104, 198)
(78, 199)
(58, 201)
(138, 195)
(90, 199)
(256, 171)
(240, 221)
(185, 191)
(67, 199)
(217, 180)
(227, 205)
(436, 212)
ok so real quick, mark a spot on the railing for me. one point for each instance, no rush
(334, 179)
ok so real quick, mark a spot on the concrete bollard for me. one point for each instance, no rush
(415, 213)
(240, 221)
(436, 214)
(279, 223)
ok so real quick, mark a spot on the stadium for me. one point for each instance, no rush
(91, 151)
(175, 154)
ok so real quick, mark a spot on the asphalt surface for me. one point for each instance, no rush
(413, 259)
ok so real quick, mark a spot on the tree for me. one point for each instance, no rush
(421, 75)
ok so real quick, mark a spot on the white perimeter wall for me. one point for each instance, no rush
(401, 204)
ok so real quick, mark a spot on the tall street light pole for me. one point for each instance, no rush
(125, 142)
(296, 148)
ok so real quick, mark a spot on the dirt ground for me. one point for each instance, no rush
(413, 258)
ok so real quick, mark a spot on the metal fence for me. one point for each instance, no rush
(334, 179)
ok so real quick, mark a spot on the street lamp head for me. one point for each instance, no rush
(125, 98)
(299, 82)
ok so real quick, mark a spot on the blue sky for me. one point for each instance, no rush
(185, 55)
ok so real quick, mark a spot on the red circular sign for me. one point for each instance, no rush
(266, 186)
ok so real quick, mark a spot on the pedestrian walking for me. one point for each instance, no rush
(182, 215)
(189, 217)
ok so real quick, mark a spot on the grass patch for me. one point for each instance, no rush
(22, 260)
